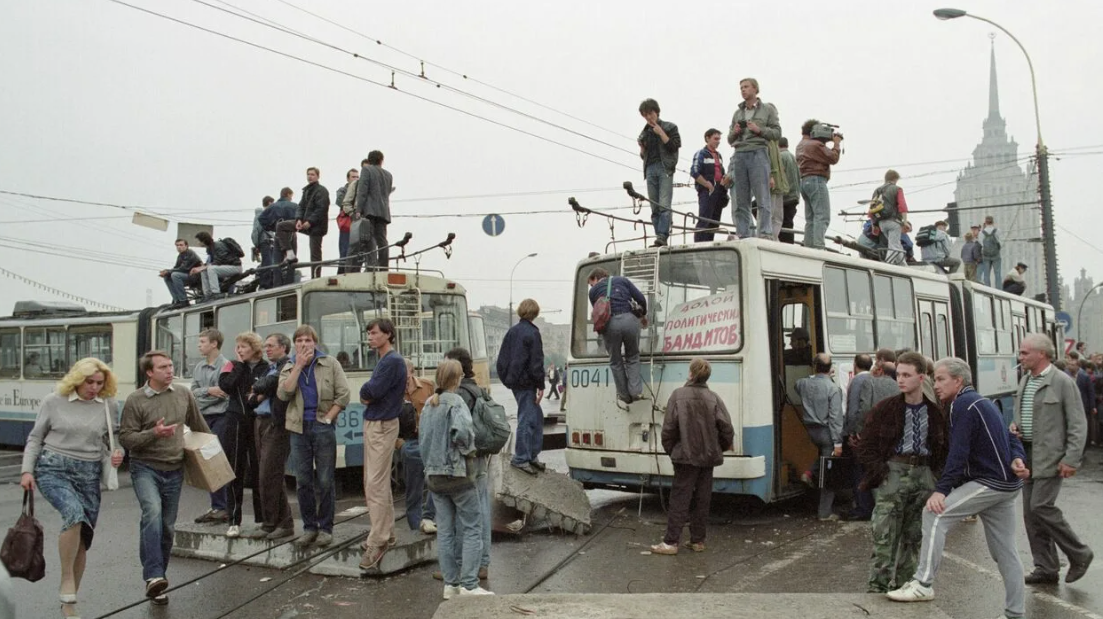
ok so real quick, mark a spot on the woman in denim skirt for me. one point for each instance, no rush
(64, 457)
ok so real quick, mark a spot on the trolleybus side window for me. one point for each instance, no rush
(11, 353)
(941, 331)
(895, 312)
(44, 352)
(196, 322)
(1018, 330)
(170, 338)
(276, 315)
(983, 320)
(1003, 326)
(232, 321)
(478, 337)
(926, 330)
(849, 310)
(90, 341)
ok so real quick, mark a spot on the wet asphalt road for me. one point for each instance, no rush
(779, 548)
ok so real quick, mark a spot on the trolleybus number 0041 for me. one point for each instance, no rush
(585, 378)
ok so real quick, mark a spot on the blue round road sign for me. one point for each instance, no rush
(493, 224)
(1065, 320)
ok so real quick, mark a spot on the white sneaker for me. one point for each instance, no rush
(913, 591)
(233, 531)
(476, 591)
(451, 592)
(428, 527)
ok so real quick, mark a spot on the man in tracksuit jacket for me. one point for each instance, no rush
(983, 474)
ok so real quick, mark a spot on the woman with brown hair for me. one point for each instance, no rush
(64, 457)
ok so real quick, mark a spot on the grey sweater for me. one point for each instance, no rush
(823, 404)
(69, 426)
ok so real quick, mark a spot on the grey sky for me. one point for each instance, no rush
(104, 103)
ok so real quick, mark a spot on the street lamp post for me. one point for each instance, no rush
(1050, 242)
(532, 255)
(1079, 312)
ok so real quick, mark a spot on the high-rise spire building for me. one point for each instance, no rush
(1007, 182)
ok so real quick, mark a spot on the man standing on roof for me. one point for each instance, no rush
(815, 160)
(890, 211)
(754, 124)
(659, 142)
(712, 193)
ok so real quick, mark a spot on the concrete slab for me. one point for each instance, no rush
(546, 497)
(686, 606)
(412, 548)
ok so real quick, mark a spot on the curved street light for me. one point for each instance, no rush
(1079, 312)
(1043, 162)
(532, 255)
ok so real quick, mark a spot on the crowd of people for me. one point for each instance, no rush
(363, 214)
(275, 397)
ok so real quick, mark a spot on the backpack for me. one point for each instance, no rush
(491, 425)
(603, 309)
(990, 247)
(925, 237)
(234, 247)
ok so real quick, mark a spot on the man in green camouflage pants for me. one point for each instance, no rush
(902, 449)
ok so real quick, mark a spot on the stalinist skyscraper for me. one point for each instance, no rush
(996, 178)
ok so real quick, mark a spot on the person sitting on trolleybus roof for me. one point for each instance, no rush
(622, 334)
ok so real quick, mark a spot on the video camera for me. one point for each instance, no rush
(825, 132)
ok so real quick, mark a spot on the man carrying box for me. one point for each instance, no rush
(151, 431)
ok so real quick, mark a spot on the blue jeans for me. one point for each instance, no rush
(419, 503)
(482, 487)
(817, 210)
(990, 270)
(459, 537)
(751, 173)
(530, 427)
(660, 190)
(267, 258)
(217, 424)
(175, 283)
(710, 206)
(315, 454)
(159, 497)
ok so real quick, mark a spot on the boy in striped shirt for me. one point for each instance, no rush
(983, 474)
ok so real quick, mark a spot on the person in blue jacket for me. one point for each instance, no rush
(622, 334)
(521, 368)
(983, 474)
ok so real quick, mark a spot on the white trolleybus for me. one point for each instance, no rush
(40, 341)
(734, 303)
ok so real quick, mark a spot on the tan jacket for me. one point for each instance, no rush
(333, 388)
(1060, 428)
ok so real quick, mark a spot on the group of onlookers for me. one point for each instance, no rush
(274, 398)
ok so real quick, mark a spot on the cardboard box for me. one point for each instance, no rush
(205, 464)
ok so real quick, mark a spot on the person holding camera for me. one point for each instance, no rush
(754, 124)
(659, 142)
(815, 159)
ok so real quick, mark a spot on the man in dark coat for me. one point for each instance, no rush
(311, 219)
(697, 430)
(521, 368)
(373, 203)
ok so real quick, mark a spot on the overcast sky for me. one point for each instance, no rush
(107, 104)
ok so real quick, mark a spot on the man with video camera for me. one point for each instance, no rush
(815, 159)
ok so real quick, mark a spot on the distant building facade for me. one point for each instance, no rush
(496, 321)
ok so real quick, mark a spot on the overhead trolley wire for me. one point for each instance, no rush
(364, 79)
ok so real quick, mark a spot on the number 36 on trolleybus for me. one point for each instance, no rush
(735, 303)
(40, 341)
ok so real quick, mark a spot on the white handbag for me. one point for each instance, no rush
(109, 475)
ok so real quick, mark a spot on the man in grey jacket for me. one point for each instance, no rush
(822, 401)
(212, 403)
(1049, 417)
(754, 124)
(373, 203)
